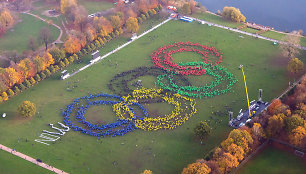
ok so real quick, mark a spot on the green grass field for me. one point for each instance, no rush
(279, 36)
(166, 151)
(93, 6)
(250, 30)
(18, 38)
(12, 164)
(274, 161)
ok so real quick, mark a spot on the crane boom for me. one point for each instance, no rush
(246, 90)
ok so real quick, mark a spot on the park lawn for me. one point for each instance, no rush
(274, 161)
(279, 36)
(215, 19)
(164, 151)
(94, 6)
(249, 30)
(12, 164)
(18, 37)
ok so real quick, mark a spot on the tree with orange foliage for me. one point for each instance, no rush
(300, 91)
(132, 25)
(131, 13)
(226, 143)
(227, 162)
(241, 138)
(196, 168)
(103, 26)
(90, 33)
(297, 135)
(274, 106)
(25, 65)
(142, 5)
(236, 151)
(72, 45)
(12, 76)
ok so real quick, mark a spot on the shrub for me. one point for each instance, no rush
(32, 81)
(43, 75)
(71, 59)
(84, 51)
(92, 46)
(27, 83)
(27, 109)
(4, 96)
(1, 99)
(143, 17)
(37, 78)
(16, 90)
(66, 61)
(88, 49)
(97, 43)
(139, 20)
(47, 72)
(202, 129)
(22, 87)
(10, 92)
(61, 64)
(56, 67)
(76, 57)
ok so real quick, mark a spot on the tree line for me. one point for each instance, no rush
(284, 120)
(84, 37)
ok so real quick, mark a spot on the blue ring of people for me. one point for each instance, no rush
(118, 128)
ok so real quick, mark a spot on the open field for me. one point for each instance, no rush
(18, 37)
(12, 164)
(93, 6)
(250, 30)
(274, 161)
(279, 36)
(166, 151)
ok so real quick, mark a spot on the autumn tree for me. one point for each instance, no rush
(290, 47)
(27, 109)
(65, 4)
(236, 151)
(275, 124)
(102, 26)
(257, 130)
(202, 130)
(72, 45)
(27, 68)
(227, 162)
(233, 14)
(6, 19)
(241, 138)
(116, 21)
(45, 36)
(297, 136)
(276, 103)
(293, 122)
(4, 96)
(132, 25)
(90, 33)
(12, 76)
(196, 168)
(226, 143)
(57, 54)
(295, 65)
(147, 172)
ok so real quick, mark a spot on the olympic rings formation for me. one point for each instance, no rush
(163, 59)
(209, 90)
(181, 113)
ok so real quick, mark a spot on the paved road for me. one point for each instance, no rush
(243, 32)
(32, 160)
(58, 40)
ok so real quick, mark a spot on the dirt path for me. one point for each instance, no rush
(58, 40)
(32, 160)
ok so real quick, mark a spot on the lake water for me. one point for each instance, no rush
(284, 15)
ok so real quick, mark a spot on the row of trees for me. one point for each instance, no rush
(280, 121)
(24, 74)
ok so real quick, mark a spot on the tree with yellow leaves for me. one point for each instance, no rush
(6, 19)
(295, 65)
(233, 14)
(241, 138)
(236, 151)
(275, 124)
(132, 25)
(147, 172)
(12, 76)
(297, 136)
(65, 4)
(227, 162)
(196, 168)
(226, 143)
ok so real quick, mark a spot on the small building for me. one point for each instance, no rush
(95, 55)
(64, 75)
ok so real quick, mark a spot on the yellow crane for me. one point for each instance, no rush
(246, 90)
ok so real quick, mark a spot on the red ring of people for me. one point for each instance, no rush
(163, 57)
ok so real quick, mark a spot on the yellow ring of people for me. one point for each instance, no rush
(184, 108)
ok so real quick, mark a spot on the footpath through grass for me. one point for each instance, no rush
(274, 161)
(18, 37)
(12, 164)
(165, 151)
